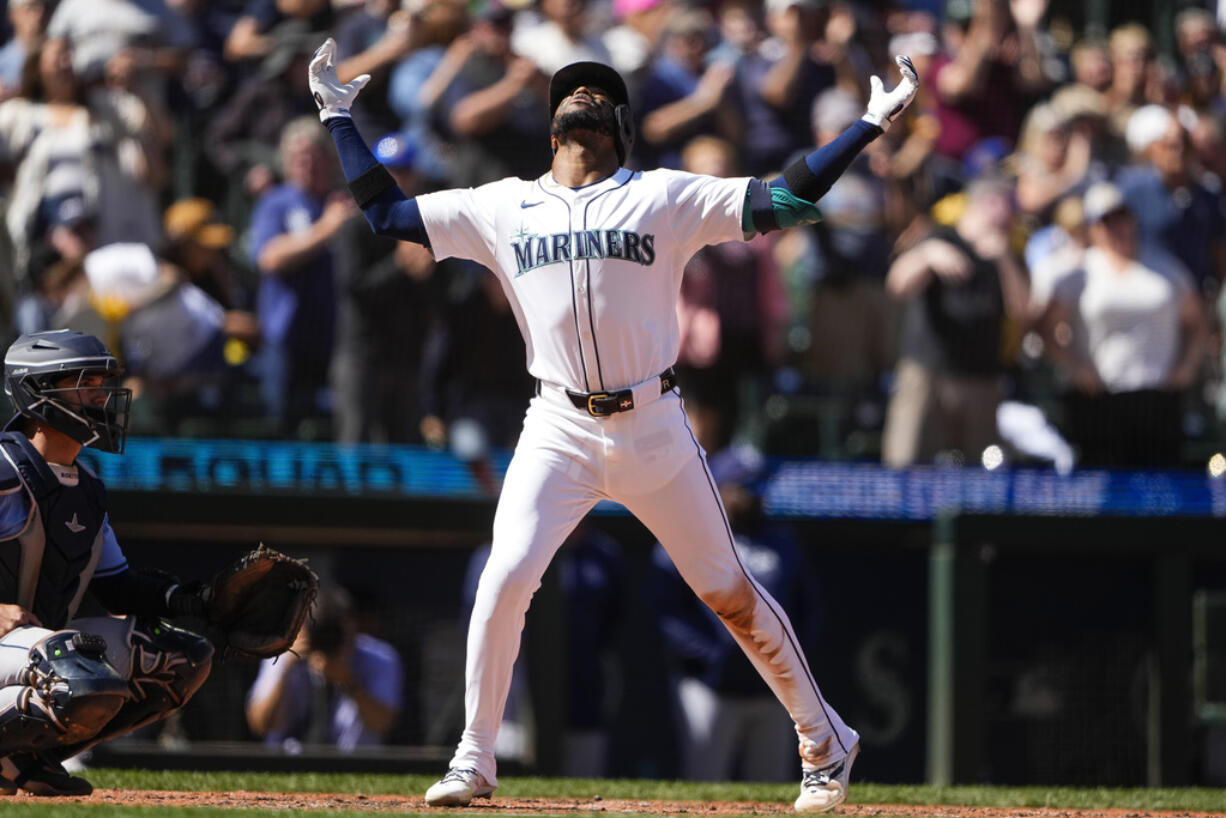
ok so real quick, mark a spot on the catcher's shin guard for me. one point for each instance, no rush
(168, 666)
(70, 692)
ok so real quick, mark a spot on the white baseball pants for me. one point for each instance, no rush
(649, 461)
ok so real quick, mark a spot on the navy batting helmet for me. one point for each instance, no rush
(44, 374)
(597, 75)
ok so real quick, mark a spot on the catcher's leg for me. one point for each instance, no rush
(542, 501)
(164, 665)
(57, 688)
(65, 692)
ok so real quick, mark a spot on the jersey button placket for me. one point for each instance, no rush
(580, 272)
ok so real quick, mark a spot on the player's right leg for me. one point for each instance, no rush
(544, 496)
(56, 688)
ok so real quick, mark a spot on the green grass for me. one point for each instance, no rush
(1196, 800)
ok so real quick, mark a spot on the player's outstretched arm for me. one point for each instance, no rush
(789, 200)
(386, 208)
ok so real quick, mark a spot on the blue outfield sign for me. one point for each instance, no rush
(794, 488)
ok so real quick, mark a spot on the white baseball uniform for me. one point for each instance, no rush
(593, 276)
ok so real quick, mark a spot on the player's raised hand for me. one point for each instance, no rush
(331, 95)
(885, 106)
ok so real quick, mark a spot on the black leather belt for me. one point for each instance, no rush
(603, 404)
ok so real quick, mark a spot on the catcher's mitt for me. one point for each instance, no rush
(256, 606)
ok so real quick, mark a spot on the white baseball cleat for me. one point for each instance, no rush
(457, 788)
(823, 790)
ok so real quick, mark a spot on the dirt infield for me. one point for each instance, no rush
(562, 806)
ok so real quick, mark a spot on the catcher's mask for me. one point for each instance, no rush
(597, 75)
(69, 381)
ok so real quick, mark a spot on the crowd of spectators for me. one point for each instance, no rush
(1045, 227)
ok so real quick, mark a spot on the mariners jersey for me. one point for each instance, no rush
(47, 563)
(592, 273)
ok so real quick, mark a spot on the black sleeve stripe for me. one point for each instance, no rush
(367, 187)
(761, 211)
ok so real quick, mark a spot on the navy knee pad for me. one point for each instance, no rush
(70, 693)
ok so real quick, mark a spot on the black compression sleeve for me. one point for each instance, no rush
(133, 592)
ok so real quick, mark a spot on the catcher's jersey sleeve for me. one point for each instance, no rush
(112, 560)
(14, 512)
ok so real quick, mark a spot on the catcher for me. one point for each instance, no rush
(67, 684)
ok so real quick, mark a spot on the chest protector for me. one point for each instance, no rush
(47, 567)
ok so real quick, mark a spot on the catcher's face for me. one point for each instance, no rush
(86, 390)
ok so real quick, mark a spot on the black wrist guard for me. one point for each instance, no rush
(188, 600)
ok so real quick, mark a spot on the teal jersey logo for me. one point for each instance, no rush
(533, 251)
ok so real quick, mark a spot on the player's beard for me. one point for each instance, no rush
(594, 119)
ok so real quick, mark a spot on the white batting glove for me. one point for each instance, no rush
(331, 95)
(883, 107)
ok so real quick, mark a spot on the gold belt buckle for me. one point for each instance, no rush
(591, 410)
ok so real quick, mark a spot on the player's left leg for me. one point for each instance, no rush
(686, 515)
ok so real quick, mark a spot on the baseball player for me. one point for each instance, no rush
(591, 256)
(65, 683)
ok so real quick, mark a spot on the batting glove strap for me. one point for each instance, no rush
(884, 107)
(329, 111)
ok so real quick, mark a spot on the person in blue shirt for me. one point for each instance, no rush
(337, 686)
(291, 229)
(67, 683)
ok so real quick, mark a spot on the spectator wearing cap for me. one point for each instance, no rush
(683, 94)
(199, 245)
(28, 19)
(292, 228)
(1173, 209)
(993, 69)
(777, 84)
(1127, 330)
(959, 285)
(726, 726)
(388, 295)
(496, 107)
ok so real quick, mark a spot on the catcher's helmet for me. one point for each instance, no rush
(43, 377)
(597, 75)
